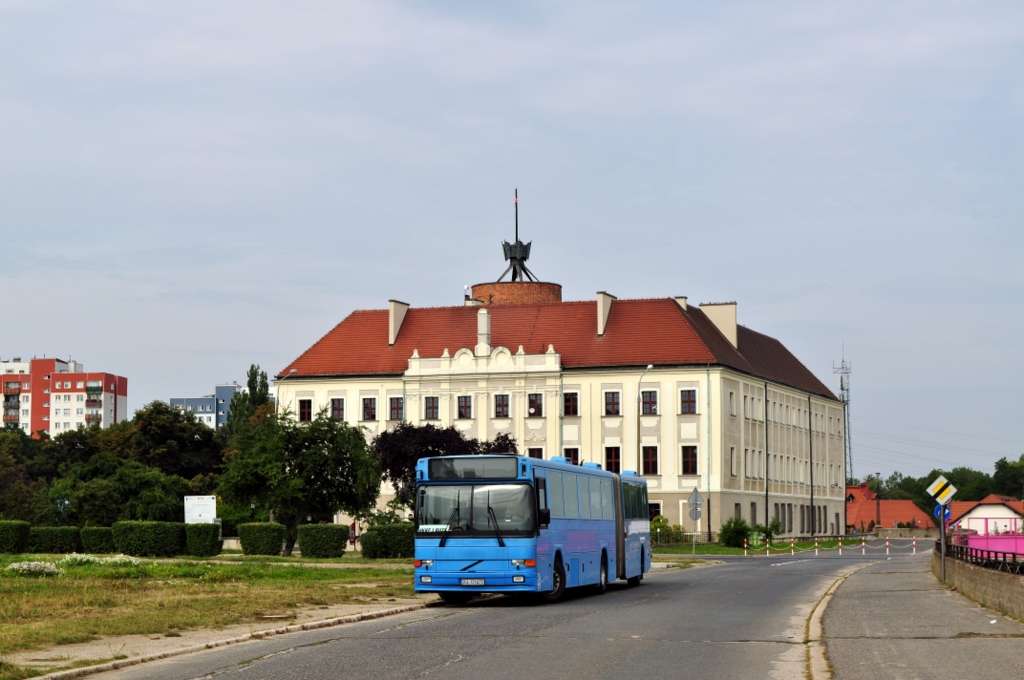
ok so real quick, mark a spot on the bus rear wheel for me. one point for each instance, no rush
(602, 581)
(557, 582)
(456, 598)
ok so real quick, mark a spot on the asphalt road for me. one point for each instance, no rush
(741, 619)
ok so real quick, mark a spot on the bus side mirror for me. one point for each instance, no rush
(545, 516)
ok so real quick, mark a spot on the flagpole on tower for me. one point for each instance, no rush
(515, 200)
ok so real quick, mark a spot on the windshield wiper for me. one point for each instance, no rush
(451, 518)
(497, 529)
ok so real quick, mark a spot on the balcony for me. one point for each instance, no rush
(93, 417)
(12, 390)
(94, 388)
(94, 403)
(10, 418)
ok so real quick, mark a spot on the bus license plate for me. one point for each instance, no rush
(472, 581)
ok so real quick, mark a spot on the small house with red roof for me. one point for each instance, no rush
(992, 515)
(865, 510)
(680, 393)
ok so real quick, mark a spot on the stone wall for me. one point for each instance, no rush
(932, 532)
(993, 589)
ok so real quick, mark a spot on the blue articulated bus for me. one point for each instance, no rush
(511, 524)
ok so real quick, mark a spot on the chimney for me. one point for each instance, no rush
(604, 308)
(681, 301)
(483, 333)
(396, 315)
(723, 315)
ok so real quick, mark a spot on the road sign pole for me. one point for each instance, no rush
(942, 550)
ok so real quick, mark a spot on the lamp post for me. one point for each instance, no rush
(639, 407)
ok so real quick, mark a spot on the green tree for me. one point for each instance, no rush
(244, 404)
(300, 471)
(173, 441)
(1008, 479)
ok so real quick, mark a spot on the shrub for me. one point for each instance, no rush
(323, 540)
(261, 538)
(54, 540)
(734, 532)
(149, 539)
(388, 540)
(202, 540)
(14, 536)
(97, 540)
(34, 569)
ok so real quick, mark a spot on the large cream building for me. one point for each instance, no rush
(571, 379)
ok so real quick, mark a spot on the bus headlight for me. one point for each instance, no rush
(524, 563)
(426, 579)
(423, 563)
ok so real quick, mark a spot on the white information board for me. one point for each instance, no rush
(200, 509)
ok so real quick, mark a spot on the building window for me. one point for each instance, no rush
(465, 407)
(430, 408)
(650, 402)
(501, 406)
(732, 403)
(688, 401)
(337, 409)
(305, 410)
(369, 408)
(689, 460)
(732, 460)
(79, 411)
(653, 509)
(397, 408)
(611, 404)
(611, 459)
(535, 403)
(535, 452)
(573, 454)
(650, 460)
(737, 510)
(571, 404)
(67, 386)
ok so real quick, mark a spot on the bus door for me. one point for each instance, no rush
(544, 548)
(620, 530)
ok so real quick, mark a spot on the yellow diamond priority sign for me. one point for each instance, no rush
(946, 494)
(936, 485)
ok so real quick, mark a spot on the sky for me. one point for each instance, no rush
(187, 188)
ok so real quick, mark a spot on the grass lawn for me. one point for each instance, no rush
(164, 598)
(349, 558)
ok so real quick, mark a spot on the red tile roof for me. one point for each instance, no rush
(862, 512)
(639, 332)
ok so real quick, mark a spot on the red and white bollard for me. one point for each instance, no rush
(840, 546)
(863, 545)
(767, 548)
(886, 545)
(815, 546)
(744, 547)
(915, 544)
(792, 548)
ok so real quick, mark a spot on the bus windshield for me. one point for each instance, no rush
(512, 506)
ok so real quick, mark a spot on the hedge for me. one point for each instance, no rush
(149, 539)
(261, 538)
(202, 540)
(55, 540)
(388, 540)
(323, 540)
(97, 540)
(14, 536)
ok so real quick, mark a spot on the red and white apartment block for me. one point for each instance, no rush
(54, 396)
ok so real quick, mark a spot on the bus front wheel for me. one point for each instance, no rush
(456, 598)
(557, 582)
(602, 581)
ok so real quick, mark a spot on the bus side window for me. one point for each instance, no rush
(585, 497)
(555, 494)
(607, 499)
(572, 495)
(595, 498)
(542, 493)
(646, 504)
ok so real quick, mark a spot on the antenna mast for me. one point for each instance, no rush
(516, 254)
(843, 370)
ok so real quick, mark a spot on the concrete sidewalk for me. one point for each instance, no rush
(894, 619)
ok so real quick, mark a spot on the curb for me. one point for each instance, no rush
(818, 666)
(259, 635)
